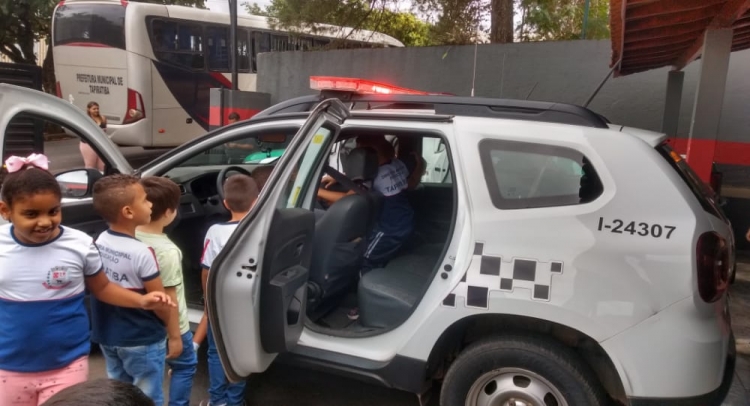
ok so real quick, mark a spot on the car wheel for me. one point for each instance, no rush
(520, 370)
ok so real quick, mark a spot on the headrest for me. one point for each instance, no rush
(361, 164)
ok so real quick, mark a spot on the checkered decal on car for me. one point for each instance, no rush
(489, 272)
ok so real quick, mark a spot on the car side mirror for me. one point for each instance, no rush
(78, 183)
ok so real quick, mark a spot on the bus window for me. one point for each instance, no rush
(320, 43)
(261, 43)
(280, 43)
(180, 44)
(102, 24)
(303, 43)
(164, 36)
(243, 51)
(217, 39)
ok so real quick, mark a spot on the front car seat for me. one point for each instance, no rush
(341, 234)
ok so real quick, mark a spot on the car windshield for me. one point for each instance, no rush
(248, 150)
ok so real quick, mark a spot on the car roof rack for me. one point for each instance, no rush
(559, 113)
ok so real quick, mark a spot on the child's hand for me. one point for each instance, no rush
(156, 300)
(174, 347)
(327, 182)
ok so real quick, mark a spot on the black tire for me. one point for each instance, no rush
(548, 359)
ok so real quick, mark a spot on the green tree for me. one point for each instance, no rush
(544, 20)
(21, 23)
(454, 22)
(374, 15)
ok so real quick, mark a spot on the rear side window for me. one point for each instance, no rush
(522, 175)
(92, 24)
(705, 195)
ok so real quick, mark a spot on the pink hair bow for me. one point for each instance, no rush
(16, 163)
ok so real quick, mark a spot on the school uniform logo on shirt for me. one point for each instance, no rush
(57, 278)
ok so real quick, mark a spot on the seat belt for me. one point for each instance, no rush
(342, 179)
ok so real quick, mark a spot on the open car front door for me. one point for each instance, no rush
(257, 287)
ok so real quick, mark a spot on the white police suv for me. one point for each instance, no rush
(555, 258)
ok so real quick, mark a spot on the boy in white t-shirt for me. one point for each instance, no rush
(164, 196)
(133, 341)
(240, 193)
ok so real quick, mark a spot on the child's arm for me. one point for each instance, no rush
(331, 196)
(100, 286)
(171, 272)
(416, 175)
(201, 331)
(165, 314)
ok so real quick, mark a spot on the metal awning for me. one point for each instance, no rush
(650, 34)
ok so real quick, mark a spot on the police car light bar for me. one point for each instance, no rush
(359, 86)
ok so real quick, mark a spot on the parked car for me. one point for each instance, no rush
(556, 260)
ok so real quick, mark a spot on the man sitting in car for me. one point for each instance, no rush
(395, 221)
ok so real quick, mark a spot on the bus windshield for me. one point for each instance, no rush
(90, 24)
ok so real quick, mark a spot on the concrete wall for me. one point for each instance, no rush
(564, 71)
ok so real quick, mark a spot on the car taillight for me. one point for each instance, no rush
(136, 110)
(58, 90)
(712, 256)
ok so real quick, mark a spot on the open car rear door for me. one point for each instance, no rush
(257, 287)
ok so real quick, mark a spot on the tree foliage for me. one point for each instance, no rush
(21, 23)
(440, 22)
(562, 20)
(373, 15)
(454, 22)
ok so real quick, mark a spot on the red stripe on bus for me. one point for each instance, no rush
(222, 79)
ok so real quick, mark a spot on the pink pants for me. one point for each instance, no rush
(34, 388)
(90, 157)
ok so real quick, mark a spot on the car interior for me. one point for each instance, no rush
(385, 297)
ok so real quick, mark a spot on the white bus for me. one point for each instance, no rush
(150, 67)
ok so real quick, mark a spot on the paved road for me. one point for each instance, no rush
(283, 385)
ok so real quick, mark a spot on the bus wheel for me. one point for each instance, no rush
(520, 370)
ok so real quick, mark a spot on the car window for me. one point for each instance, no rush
(305, 168)
(247, 150)
(437, 165)
(524, 175)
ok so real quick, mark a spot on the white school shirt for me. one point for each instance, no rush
(128, 263)
(44, 322)
(216, 238)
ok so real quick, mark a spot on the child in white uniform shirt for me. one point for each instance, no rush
(240, 192)
(44, 269)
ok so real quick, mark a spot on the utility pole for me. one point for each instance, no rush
(233, 41)
(585, 18)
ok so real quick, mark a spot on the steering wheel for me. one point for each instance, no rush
(222, 177)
